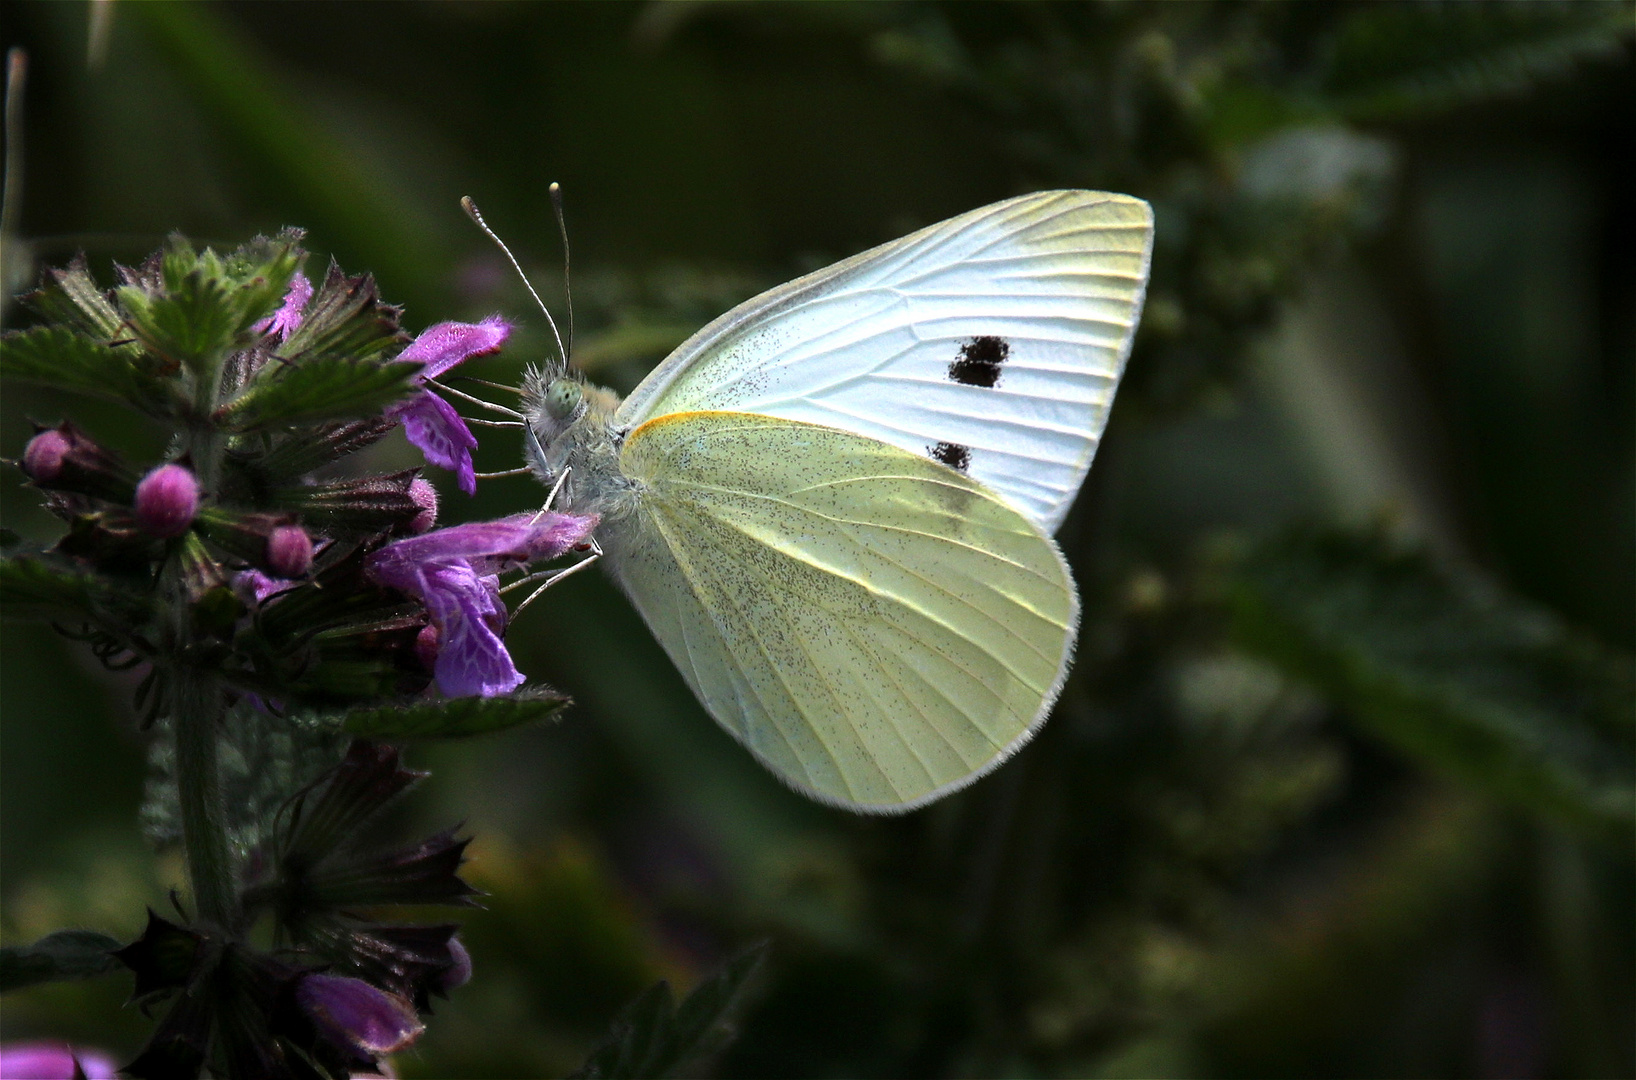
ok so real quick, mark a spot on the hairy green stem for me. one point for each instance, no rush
(194, 718)
(197, 713)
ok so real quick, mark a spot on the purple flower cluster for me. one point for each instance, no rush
(454, 572)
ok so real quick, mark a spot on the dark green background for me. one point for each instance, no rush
(1207, 865)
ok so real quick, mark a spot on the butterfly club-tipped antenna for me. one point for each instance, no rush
(567, 266)
(476, 215)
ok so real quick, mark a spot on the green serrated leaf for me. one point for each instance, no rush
(193, 323)
(71, 296)
(32, 588)
(1449, 669)
(655, 1038)
(67, 954)
(455, 719)
(1399, 59)
(701, 1024)
(62, 359)
(346, 319)
(325, 388)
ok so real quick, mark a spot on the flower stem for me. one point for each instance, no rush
(198, 708)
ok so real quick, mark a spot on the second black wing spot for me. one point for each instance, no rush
(979, 361)
(953, 455)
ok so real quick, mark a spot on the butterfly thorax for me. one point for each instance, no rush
(572, 437)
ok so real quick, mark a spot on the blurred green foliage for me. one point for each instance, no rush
(1342, 781)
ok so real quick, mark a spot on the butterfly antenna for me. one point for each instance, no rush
(477, 217)
(567, 278)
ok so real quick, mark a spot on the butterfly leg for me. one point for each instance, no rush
(551, 497)
(554, 577)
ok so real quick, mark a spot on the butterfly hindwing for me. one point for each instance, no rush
(992, 343)
(877, 629)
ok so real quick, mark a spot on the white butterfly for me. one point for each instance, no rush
(833, 505)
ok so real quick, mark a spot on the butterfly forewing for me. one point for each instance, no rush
(992, 343)
(877, 629)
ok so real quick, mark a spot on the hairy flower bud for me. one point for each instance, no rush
(63, 458)
(425, 496)
(166, 501)
(426, 646)
(289, 551)
(44, 456)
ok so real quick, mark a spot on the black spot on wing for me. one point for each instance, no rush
(953, 455)
(979, 361)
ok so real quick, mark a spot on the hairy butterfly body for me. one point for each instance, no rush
(833, 506)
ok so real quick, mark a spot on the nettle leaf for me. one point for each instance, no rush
(454, 719)
(66, 954)
(1449, 669)
(71, 296)
(325, 388)
(62, 359)
(346, 319)
(192, 322)
(1394, 59)
(32, 588)
(654, 1038)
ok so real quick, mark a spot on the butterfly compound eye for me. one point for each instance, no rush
(562, 398)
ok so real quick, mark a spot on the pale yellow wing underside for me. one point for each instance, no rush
(876, 627)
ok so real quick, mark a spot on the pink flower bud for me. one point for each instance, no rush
(425, 496)
(166, 500)
(44, 455)
(426, 646)
(289, 551)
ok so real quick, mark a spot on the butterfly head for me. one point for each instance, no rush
(569, 426)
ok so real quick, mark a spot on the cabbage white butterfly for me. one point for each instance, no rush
(833, 505)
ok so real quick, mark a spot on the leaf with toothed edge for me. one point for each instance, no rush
(66, 954)
(459, 718)
(655, 1038)
(62, 359)
(71, 296)
(1449, 669)
(326, 388)
(33, 588)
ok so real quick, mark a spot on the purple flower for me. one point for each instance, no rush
(355, 1017)
(166, 501)
(53, 1061)
(287, 318)
(455, 573)
(252, 586)
(431, 423)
